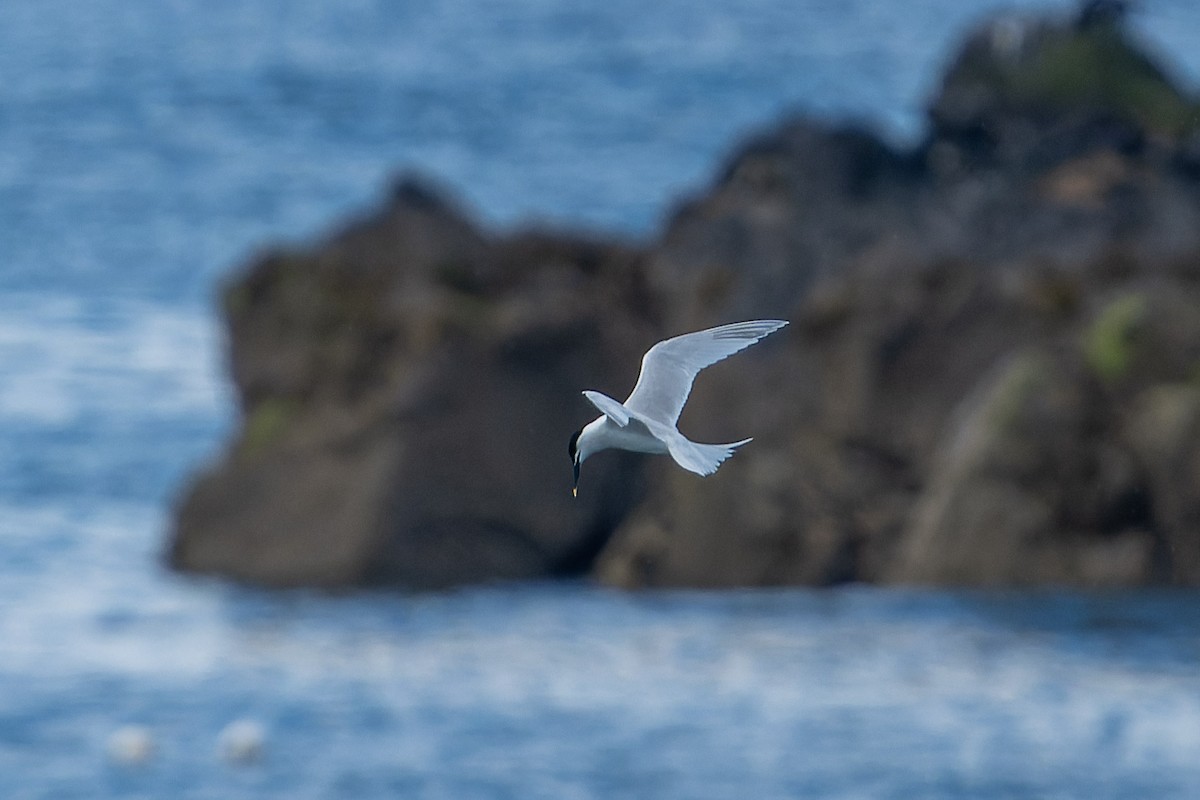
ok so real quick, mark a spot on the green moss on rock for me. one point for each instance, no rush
(1110, 342)
(1099, 69)
(266, 423)
(1048, 69)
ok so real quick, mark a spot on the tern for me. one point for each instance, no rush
(646, 421)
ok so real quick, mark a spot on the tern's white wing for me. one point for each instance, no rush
(670, 367)
(608, 407)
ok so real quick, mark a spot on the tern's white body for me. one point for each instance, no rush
(646, 421)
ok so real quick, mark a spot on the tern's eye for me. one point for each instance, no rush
(572, 445)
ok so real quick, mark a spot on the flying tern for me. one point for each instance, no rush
(646, 421)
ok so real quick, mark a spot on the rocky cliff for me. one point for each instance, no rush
(992, 376)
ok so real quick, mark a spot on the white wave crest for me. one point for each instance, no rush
(62, 359)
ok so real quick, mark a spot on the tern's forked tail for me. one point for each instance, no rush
(702, 459)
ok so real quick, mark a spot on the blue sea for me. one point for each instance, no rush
(148, 149)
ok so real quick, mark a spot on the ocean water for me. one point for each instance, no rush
(147, 149)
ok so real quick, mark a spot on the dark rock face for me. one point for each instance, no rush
(990, 378)
(408, 390)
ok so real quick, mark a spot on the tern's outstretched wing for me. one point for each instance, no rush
(670, 367)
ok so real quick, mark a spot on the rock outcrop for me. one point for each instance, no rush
(406, 393)
(991, 378)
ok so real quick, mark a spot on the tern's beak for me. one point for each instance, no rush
(575, 487)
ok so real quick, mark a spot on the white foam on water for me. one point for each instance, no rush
(85, 593)
(62, 359)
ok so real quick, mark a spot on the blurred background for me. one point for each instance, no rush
(147, 149)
